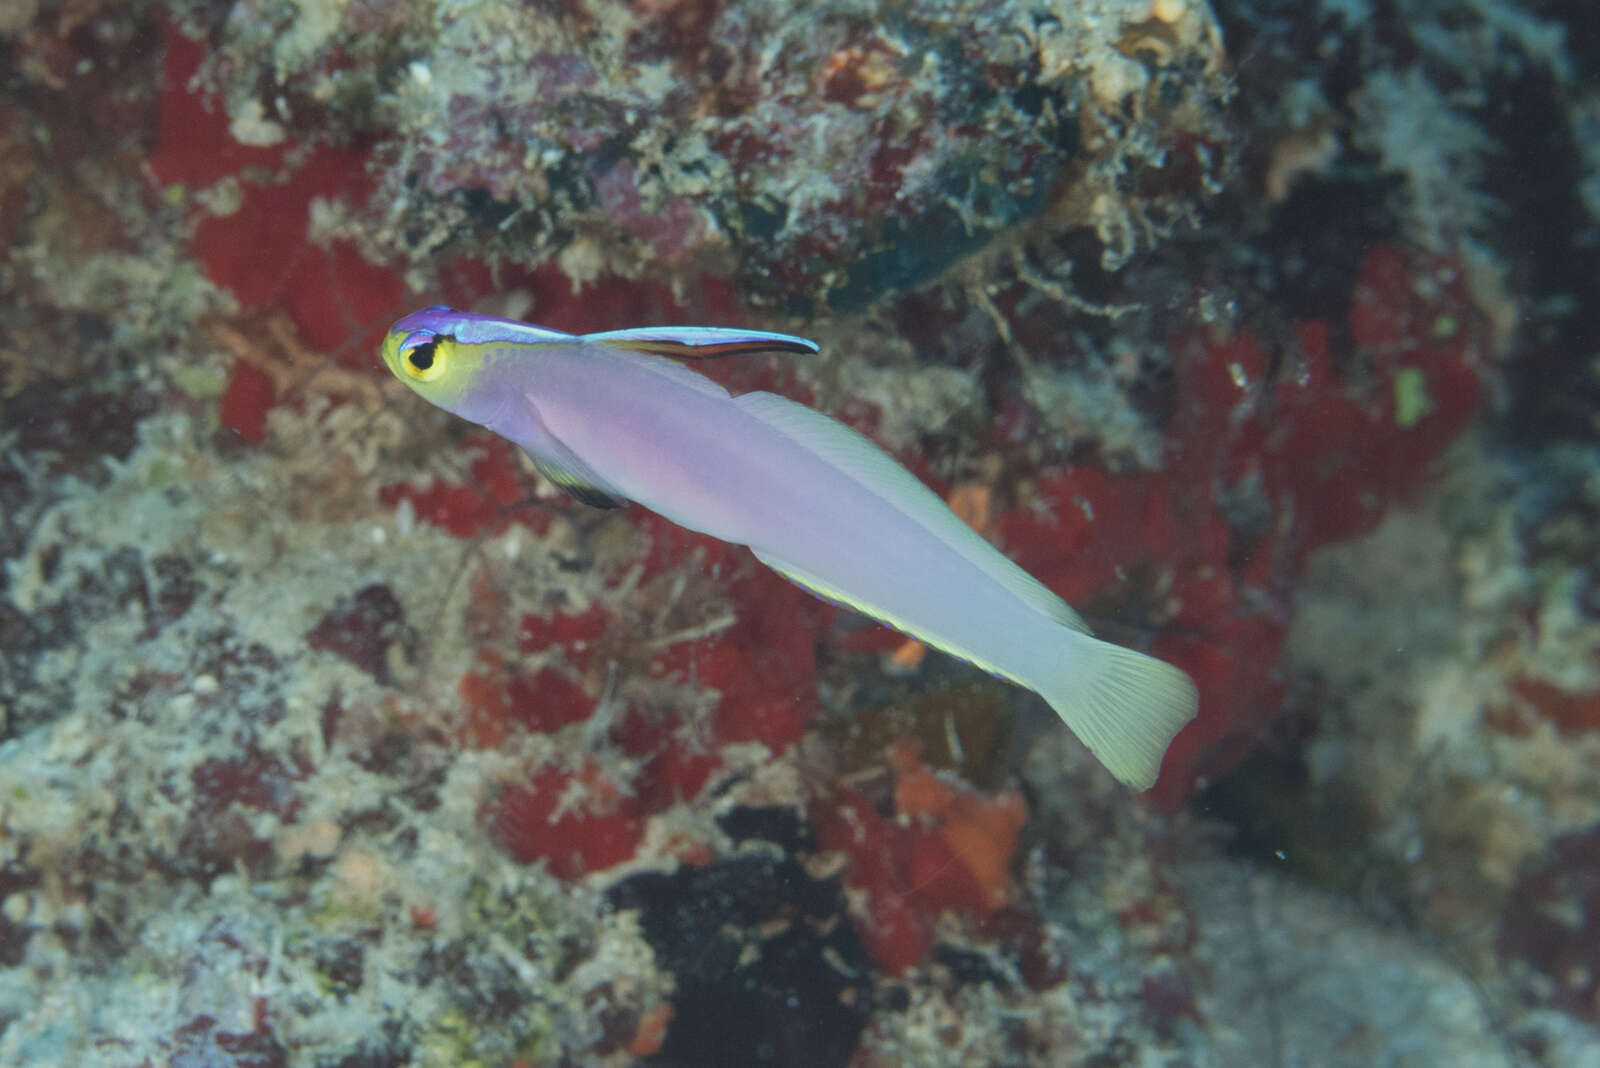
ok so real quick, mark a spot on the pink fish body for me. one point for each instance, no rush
(612, 416)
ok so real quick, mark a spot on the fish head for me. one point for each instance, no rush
(423, 350)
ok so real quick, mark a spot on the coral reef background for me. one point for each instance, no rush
(1262, 331)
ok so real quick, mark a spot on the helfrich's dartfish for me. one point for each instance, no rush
(613, 416)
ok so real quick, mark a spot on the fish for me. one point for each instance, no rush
(617, 416)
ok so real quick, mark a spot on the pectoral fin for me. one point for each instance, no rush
(701, 342)
(574, 484)
(562, 466)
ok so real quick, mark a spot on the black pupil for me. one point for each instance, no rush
(421, 357)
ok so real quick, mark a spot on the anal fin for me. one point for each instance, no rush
(809, 583)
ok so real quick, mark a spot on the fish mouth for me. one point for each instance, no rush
(390, 354)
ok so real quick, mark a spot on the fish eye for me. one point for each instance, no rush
(420, 356)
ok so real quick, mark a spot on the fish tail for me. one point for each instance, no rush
(1125, 706)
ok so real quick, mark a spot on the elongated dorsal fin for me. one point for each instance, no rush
(701, 342)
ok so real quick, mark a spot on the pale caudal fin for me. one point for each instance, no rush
(1125, 706)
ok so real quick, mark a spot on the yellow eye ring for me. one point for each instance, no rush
(426, 361)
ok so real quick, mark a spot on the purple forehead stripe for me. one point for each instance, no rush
(472, 329)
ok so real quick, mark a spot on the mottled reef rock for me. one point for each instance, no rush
(1260, 330)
